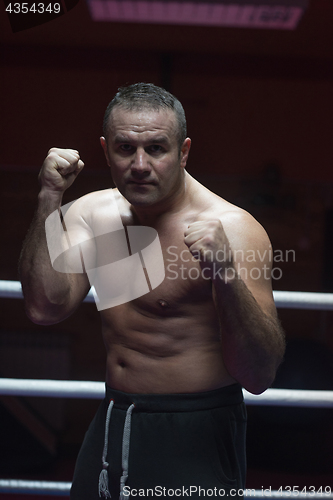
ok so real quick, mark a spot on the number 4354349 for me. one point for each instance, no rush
(35, 8)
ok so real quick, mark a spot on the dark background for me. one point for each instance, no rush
(259, 105)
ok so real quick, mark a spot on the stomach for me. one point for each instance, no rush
(160, 351)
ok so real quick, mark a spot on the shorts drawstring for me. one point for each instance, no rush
(125, 449)
(103, 483)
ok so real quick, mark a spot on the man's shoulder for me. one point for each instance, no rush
(95, 209)
(219, 208)
(93, 202)
(212, 205)
(238, 224)
(232, 214)
(94, 197)
(243, 230)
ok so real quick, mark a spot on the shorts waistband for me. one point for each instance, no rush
(225, 396)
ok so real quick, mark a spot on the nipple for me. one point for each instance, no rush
(163, 303)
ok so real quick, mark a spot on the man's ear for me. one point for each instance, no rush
(184, 152)
(105, 149)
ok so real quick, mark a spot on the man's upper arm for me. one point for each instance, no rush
(66, 236)
(90, 222)
(253, 257)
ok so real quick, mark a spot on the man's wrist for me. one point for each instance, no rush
(50, 199)
(225, 274)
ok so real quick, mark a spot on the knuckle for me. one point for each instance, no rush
(52, 150)
(52, 155)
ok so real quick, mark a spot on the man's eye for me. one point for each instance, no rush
(155, 148)
(126, 147)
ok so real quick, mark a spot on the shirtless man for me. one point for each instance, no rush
(173, 420)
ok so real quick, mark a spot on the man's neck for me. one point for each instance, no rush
(153, 214)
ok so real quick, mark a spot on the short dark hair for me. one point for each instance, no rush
(147, 95)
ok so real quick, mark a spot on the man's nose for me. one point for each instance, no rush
(140, 162)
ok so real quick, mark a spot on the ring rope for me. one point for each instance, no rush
(303, 300)
(27, 487)
(96, 390)
(59, 488)
(287, 300)
(52, 388)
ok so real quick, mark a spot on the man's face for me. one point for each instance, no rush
(143, 153)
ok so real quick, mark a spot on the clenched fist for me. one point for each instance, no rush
(207, 242)
(60, 169)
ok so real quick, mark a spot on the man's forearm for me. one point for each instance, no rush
(251, 337)
(45, 290)
(252, 340)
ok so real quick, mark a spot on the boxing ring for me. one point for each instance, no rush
(96, 390)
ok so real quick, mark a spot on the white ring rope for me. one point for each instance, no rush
(96, 390)
(59, 488)
(52, 388)
(291, 397)
(26, 487)
(303, 300)
(287, 300)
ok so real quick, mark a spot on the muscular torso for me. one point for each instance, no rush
(168, 340)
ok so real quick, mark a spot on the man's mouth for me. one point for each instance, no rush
(140, 183)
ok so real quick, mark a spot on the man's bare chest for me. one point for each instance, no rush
(185, 281)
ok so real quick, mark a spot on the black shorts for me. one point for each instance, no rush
(177, 445)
